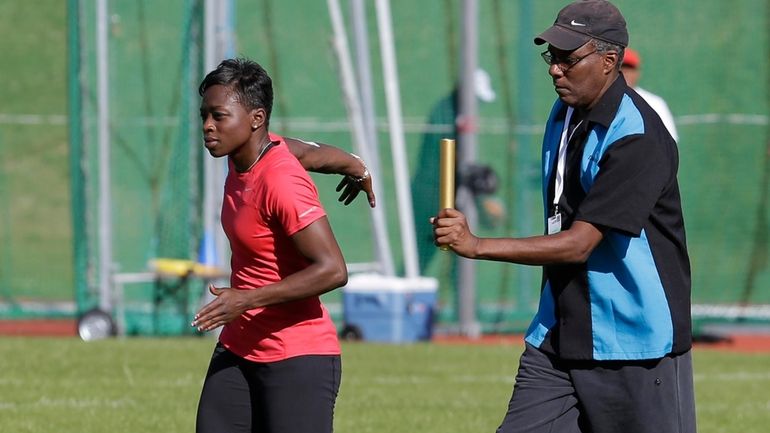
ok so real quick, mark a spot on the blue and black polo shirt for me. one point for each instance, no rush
(631, 299)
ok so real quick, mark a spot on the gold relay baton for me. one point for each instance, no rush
(446, 185)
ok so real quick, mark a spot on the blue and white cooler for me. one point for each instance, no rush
(389, 309)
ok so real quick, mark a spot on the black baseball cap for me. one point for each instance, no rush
(583, 20)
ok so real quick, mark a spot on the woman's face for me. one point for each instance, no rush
(227, 125)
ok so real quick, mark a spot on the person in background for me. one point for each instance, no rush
(609, 349)
(442, 123)
(276, 367)
(632, 70)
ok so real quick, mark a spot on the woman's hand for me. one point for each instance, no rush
(352, 186)
(229, 305)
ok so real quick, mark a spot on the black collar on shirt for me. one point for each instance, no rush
(605, 110)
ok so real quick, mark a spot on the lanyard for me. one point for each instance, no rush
(562, 158)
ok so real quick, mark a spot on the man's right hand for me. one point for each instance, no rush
(450, 228)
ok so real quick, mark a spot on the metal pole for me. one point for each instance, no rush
(217, 45)
(209, 251)
(352, 103)
(76, 143)
(225, 37)
(395, 124)
(210, 57)
(467, 124)
(361, 45)
(528, 276)
(103, 134)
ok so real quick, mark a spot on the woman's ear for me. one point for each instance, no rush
(258, 117)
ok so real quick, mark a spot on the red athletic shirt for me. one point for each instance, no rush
(261, 210)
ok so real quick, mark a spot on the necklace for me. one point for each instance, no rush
(265, 146)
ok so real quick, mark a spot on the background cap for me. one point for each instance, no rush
(482, 85)
(584, 20)
(631, 58)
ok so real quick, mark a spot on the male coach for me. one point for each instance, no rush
(609, 348)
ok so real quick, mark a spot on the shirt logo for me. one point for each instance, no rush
(575, 23)
(304, 214)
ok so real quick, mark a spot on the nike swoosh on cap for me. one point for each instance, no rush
(575, 23)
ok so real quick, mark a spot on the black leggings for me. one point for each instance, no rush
(295, 395)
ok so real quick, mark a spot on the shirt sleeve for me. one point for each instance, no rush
(633, 173)
(293, 198)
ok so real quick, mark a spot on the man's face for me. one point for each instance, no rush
(579, 77)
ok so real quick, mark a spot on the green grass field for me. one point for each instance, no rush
(152, 385)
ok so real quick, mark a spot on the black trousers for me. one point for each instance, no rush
(296, 395)
(553, 395)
